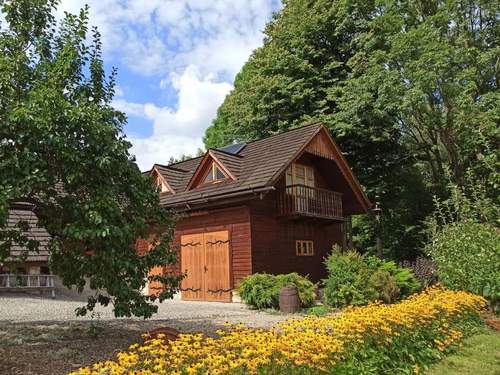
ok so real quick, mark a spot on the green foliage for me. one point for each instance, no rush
(384, 287)
(262, 290)
(297, 77)
(408, 89)
(403, 277)
(344, 285)
(320, 310)
(355, 279)
(467, 257)
(464, 241)
(63, 149)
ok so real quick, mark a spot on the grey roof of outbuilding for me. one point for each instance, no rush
(254, 166)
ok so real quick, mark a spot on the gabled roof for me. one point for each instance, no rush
(253, 167)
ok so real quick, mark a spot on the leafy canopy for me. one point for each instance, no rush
(465, 240)
(63, 149)
(409, 89)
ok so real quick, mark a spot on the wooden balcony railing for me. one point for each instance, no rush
(302, 200)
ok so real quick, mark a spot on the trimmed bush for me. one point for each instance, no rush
(401, 338)
(354, 279)
(262, 290)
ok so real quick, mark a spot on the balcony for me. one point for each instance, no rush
(307, 201)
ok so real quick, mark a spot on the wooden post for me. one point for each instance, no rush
(378, 212)
(50, 281)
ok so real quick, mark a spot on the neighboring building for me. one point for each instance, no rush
(274, 205)
(22, 261)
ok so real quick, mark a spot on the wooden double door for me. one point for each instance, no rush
(206, 264)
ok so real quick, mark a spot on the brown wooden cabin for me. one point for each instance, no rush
(274, 205)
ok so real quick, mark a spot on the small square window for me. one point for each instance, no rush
(304, 248)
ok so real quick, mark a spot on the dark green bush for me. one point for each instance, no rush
(383, 287)
(404, 278)
(262, 290)
(354, 279)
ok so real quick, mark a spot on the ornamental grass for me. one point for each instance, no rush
(401, 338)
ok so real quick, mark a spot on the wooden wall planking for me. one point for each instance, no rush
(273, 241)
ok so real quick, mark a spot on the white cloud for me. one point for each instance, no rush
(159, 36)
(187, 45)
(177, 131)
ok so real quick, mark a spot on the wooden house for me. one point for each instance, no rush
(274, 205)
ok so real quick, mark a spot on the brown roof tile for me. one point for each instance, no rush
(254, 166)
(25, 213)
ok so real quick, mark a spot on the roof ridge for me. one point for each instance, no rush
(286, 131)
(174, 168)
(179, 162)
(225, 152)
(246, 143)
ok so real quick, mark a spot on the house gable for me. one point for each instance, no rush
(161, 181)
(322, 144)
(210, 170)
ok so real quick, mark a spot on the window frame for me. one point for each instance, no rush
(308, 175)
(212, 171)
(308, 245)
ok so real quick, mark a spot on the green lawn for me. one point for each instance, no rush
(480, 355)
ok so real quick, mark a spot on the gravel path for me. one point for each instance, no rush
(42, 336)
(184, 314)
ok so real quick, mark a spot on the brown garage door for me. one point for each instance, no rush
(206, 263)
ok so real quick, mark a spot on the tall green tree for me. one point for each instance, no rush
(431, 67)
(63, 149)
(300, 75)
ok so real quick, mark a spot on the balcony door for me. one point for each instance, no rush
(300, 186)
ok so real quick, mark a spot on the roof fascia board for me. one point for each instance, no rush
(348, 174)
(155, 169)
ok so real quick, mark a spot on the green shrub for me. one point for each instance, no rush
(262, 290)
(383, 286)
(320, 310)
(344, 286)
(354, 279)
(467, 257)
(404, 278)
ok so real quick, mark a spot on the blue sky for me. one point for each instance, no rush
(176, 62)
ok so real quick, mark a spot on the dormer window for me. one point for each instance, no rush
(164, 189)
(214, 174)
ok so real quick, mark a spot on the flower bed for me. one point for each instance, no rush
(399, 338)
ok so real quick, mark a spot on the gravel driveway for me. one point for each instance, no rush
(36, 309)
(41, 336)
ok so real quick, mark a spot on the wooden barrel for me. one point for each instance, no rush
(163, 333)
(289, 299)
